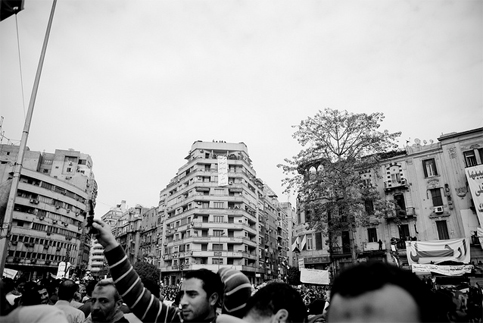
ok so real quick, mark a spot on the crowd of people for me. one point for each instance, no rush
(367, 292)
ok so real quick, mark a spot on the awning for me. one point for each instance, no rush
(202, 189)
(235, 190)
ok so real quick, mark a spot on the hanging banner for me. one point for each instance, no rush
(474, 175)
(443, 270)
(61, 269)
(301, 263)
(434, 252)
(222, 171)
(314, 276)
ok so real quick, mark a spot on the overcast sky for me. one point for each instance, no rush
(135, 83)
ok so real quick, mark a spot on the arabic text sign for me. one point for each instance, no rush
(474, 175)
(314, 276)
(443, 270)
(427, 252)
(222, 171)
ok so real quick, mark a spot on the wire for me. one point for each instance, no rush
(20, 64)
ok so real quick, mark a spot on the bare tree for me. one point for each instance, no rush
(326, 174)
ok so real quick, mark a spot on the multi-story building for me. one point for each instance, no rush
(216, 213)
(150, 239)
(427, 185)
(128, 232)
(50, 209)
(113, 215)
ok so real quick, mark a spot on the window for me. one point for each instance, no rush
(219, 191)
(218, 205)
(217, 261)
(217, 246)
(404, 231)
(372, 234)
(318, 240)
(470, 158)
(204, 247)
(369, 206)
(442, 230)
(218, 218)
(309, 242)
(436, 196)
(429, 167)
(217, 233)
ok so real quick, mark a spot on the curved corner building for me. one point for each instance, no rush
(50, 210)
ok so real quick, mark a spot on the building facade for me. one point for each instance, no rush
(427, 185)
(49, 211)
(217, 213)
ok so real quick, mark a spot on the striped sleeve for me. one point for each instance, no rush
(237, 291)
(142, 303)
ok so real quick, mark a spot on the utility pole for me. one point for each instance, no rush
(7, 220)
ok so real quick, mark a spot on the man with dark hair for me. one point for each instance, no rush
(276, 302)
(199, 298)
(106, 303)
(379, 292)
(44, 295)
(67, 289)
(202, 290)
(31, 314)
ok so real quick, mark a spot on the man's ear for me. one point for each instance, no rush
(214, 299)
(281, 316)
(118, 304)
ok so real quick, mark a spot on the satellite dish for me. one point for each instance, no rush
(431, 141)
(425, 142)
(417, 141)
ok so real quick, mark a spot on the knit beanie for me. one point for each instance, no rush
(237, 291)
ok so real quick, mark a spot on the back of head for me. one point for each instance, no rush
(211, 281)
(67, 289)
(371, 276)
(30, 295)
(268, 300)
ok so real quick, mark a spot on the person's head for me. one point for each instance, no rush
(33, 294)
(44, 294)
(105, 301)
(379, 292)
(275, 302)
(67, 289)
(202, 290)
(90, 287)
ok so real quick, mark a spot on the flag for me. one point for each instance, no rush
(295, 244)
(304, 240)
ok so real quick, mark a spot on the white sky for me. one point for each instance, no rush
(135, 83)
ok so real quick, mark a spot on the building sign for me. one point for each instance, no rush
(222, 171)
(474, 175)
(434, 252)
(443, 270)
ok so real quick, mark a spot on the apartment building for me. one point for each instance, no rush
(216, 213)
(50, 210)
(150, 238)
(128, 231)
(427, 185)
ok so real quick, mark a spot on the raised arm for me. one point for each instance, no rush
(146, 306)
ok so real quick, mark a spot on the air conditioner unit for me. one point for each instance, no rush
(54, 222)
(438, 209)
(230, 183)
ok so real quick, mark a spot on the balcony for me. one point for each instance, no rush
(409, 212)
(390, 185)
